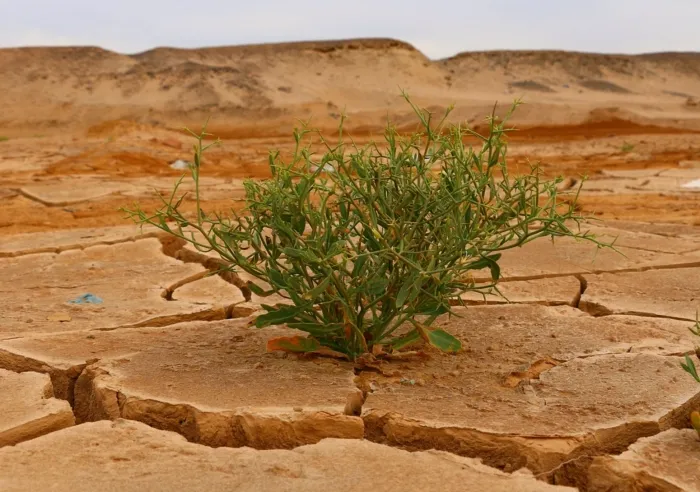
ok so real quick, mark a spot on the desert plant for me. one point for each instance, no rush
(689, 366)
(3, 138)
(371, 244)
(627, 147)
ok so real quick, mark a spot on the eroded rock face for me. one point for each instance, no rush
(134, 457)
(536, 387)
(28, 409)
(213, 382)
(666, 462)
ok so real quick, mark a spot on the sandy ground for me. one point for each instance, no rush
(574, 380)
(111, 120)
(56, 182)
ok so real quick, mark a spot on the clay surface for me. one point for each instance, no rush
(213, 382)
(665, 462)
(574, 374)
(28, 408)
(671, 293)
(569, 384)
(127, 278)
(135, 457)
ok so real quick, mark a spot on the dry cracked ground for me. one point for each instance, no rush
(121, 361)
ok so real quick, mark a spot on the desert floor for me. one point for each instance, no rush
(160, 382)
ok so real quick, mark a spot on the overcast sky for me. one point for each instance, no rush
(439, 28)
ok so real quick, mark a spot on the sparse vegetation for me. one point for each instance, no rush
(3, 138)
(371, 244)
(627, 147)
(689, 367)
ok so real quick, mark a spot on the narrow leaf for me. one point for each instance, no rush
(277, 278)
(489, 262)
(317, 328)
(432, 308)
(376, 286)
(258, 291)
(293, 344)
(278, 316)
(404, 290)
(359, 265)
(318, 290)
(305, 255)
(402, 342)
(444, 341)
(689, 367)
(299, 224)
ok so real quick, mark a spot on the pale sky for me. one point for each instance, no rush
(439, 28)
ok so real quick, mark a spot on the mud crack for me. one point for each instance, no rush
(174, 247)
(72, 247)
(65, 203)
(582, 290)
(518, 278)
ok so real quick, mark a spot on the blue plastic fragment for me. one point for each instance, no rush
(86, 299)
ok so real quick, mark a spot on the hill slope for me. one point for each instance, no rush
(263, 89)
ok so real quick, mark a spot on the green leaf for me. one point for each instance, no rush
(302, 186)
(495, 270)
(318, 290)
(409, 339)
(376, 286)
(409, 290)
(299, 254)
(689, 367)
(258, 291)
(372, 244)
(277, 278)
(443, 341)
(432, 308)
(359, 265)
(336, 248)
(489, 262)
(278, 316)
(299, 224)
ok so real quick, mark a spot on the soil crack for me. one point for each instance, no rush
(72, 247)
(520, 278)
(231, 311)
(174, 247)
(45, 203)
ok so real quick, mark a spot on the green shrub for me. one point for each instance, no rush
(4, 139)
(371, 244)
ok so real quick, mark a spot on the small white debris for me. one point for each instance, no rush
(326, 167)
(693, 185)
(180, 164)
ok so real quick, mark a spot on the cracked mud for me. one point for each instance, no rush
(571, 380)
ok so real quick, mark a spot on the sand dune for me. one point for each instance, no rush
(260, 90)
